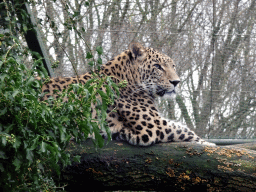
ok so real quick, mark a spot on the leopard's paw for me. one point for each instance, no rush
(203, 142)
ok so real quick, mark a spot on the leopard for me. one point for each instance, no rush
(136, 119)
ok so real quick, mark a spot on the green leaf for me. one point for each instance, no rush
(99, 61)
(25, 144)
(108, 133)
(98, 137)
(43, 147)
(17, 143)
(89, 55)
(25, 28)
(116, 88)
(91, 63)
(3, 76)
(15, 92)
(40, 166)
(2, 155)
(30, 81)
(51, 134)
(103, 112)
(77, 158)
(62, 135)
(36, 84)
(17, 164)
(64, 119)
(102, 94)
(89, 82)
(2, 112)
(34, 143)
(99, 49)
(29, 155)
(4, 140)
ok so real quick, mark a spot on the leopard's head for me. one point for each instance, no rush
(157, 72)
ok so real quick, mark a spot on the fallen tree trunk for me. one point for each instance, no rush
(171, 166)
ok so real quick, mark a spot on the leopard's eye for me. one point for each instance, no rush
(158, 67)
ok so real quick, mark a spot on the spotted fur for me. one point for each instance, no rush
(149, 74)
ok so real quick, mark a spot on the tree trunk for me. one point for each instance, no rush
(167, 166)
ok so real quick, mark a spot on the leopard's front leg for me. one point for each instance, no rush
(140, 125)
(176, 132)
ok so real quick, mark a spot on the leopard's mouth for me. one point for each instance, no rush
(166, 93)
(161, 93)
(170, 92)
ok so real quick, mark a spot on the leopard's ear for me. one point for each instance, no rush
(138, 51)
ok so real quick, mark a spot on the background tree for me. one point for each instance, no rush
(212, 43)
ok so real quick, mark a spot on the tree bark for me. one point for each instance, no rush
(167, 166)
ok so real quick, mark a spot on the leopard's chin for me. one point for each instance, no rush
(170, 95)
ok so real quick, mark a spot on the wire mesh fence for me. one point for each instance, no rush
(211, 41)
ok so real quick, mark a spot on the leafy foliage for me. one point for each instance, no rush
(35, 134)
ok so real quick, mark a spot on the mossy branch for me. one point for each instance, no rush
(171, 166)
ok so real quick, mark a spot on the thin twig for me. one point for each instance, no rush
(15, 44)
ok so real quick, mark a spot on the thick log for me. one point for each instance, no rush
(167, 166)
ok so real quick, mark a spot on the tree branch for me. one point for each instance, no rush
(171, 166)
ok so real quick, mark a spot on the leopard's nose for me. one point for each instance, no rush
(174, 82)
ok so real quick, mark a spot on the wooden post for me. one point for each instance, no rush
(35, 41)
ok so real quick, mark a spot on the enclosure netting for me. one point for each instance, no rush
(212, 43)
